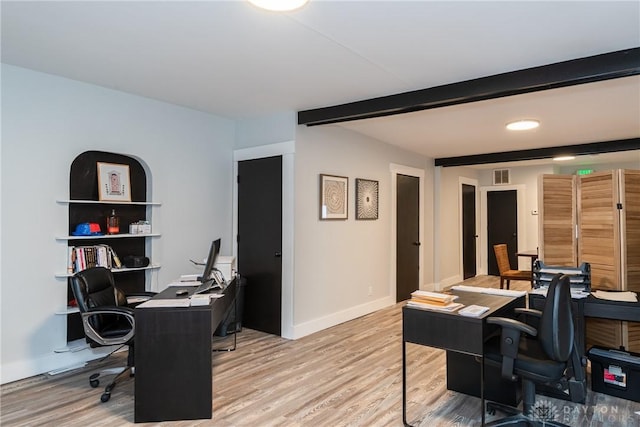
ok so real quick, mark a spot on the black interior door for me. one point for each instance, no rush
(502, 226)
(407, 236)
(469, 235)
(260, 242)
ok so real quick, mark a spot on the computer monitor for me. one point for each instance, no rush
(207, 282)
(214, 251)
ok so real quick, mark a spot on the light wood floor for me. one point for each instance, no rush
(348, 375)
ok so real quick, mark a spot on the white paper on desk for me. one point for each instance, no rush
(473, 310)
(575, 293)
(490, 291)
(200, 299)
(627, 296)
(175, 302)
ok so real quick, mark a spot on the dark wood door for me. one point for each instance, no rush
(260, 242)
(502, 226)
(407, 236)
(469, 235)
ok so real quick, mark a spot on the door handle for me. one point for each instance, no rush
(416, 243)
(278, 254)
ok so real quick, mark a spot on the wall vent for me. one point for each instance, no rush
(501, 176)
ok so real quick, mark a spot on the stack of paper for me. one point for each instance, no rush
(474, 310)
(200, 299)
(433, 301)
(436, 298)
(627, 296)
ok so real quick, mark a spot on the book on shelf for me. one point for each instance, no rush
(83, 257)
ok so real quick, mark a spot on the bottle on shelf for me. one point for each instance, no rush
(113, 223)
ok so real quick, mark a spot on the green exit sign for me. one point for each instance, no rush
(584, 171)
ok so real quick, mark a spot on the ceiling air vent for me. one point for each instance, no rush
(501, 176)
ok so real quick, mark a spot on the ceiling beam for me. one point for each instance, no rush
(542, 153)
(590, 69)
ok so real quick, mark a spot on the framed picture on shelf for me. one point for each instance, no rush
(366, 199)
(333, 197)
(114, 183)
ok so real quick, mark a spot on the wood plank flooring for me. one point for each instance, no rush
(348, 375)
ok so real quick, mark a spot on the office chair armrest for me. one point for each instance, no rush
(513, 324)
(529, 316)
(528, 311)
(91, 333)
(509, 341)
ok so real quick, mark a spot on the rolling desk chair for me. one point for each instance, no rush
(546, 355)
(106, 318)
(506, 273)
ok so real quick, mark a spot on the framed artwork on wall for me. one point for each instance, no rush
(333, 197)
(366, 199)
(114, 183)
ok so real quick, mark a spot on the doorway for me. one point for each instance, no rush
(502, 226)
(469, 231)
(259, 242)
(407, 236)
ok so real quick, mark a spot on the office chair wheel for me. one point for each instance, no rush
(94, 381)
(105, 397)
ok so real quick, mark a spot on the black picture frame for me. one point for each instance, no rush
(367, 196)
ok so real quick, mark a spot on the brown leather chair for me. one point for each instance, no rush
(506, 273)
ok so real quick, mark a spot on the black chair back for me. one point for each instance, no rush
(95, 287)
(556, 329)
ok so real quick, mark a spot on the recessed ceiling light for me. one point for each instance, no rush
(523, 124)
(279, 5)
(563, 158)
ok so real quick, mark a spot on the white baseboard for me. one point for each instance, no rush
(52, 363)
(315, 325)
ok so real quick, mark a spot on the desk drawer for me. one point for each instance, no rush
(443, 330)
(463, 376)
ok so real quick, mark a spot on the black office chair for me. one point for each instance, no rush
(107, 319)
(544, 355)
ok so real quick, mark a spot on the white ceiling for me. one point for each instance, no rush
(232, 60)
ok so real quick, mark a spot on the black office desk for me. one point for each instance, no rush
(451, 331)
(173, 358)
(593, 307)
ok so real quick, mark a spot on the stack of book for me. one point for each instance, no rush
(433, 301)
(83, 257)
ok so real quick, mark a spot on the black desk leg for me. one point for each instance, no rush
(404, 384)
(235, 333)
(482, 387)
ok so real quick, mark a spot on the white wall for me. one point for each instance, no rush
(337, 261)
(46, 122)
(271, 129)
